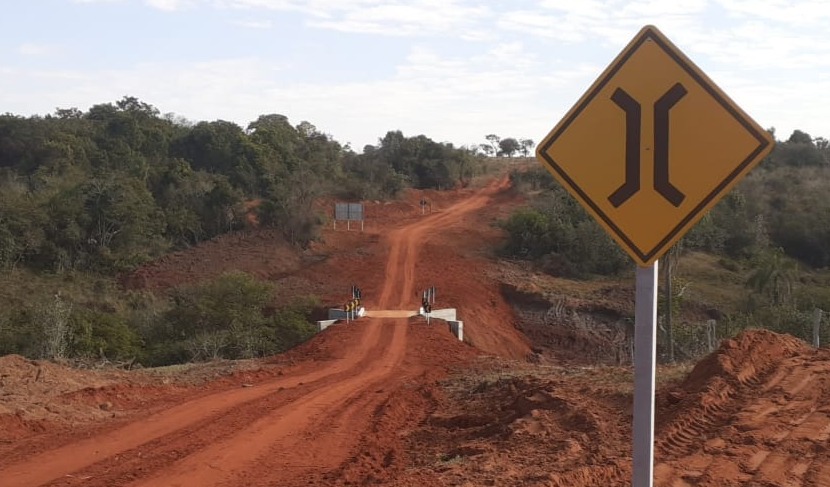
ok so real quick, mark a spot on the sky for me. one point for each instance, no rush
(453, 70)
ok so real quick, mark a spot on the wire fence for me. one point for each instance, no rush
(611, 341)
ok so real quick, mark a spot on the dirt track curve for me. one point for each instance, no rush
(289, 430)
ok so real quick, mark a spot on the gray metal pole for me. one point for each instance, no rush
(669, 329)
(817, 327)
(645, 351)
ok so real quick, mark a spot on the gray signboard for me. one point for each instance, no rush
(348, 211)
(356, 211)
(341, 211)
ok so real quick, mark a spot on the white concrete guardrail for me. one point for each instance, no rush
(448, 314)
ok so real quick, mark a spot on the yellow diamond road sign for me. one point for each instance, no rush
(652, 146)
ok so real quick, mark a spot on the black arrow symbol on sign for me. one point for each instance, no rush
(633, 122)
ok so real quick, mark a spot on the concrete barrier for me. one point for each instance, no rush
(322, 325)
(457, 328)
(339, 314)
(446, 314)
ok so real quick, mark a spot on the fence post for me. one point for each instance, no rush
(817, 327)
(710, 334)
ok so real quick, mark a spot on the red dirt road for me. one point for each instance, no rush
(289, 430)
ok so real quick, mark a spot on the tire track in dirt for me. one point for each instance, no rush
(178, 419)
(405, 244)
(768, 427)
(228, 462)
(684, 435)
(335, 427)
(407, 255)
(137, 462)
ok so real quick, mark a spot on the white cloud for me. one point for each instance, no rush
(661, 8)
(253, 24)
(555, 27)
(797, 104)
(529, 65)
(458, 99)
(411, 18)
(169, 5)
(813, 13)
(755, 45)
(34, 49)
(582, 9)
(419, 18)
(319, 8)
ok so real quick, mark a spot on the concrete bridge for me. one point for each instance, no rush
(447, 314)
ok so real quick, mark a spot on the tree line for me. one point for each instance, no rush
(782, 204)
(87, 195)
(505, 147)
(112, 187)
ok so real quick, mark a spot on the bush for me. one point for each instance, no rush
(226, 318)
(103, 335)
(561, 236)
(528, 234)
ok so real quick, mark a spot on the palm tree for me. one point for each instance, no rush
(774, 276)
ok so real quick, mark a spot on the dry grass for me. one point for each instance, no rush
(712, 283)
(613, 379)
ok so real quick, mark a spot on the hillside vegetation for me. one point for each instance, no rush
(759, 258)
(86, 196)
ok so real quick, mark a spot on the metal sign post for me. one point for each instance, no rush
(645, 352)
(676, 145)
(817, 327)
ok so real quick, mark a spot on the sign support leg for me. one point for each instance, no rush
(645, 351)
(817, 327)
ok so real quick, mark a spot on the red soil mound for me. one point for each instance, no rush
(750, 354)
(524, 431)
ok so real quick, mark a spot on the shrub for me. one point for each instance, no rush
(103, 335)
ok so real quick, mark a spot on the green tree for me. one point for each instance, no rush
(216, 319)
(494, 141)
(527, 145)
(773, 276)
(509, 146)
(100, 335)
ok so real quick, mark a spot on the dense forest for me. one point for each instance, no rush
(87, 195)
(120, 184)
